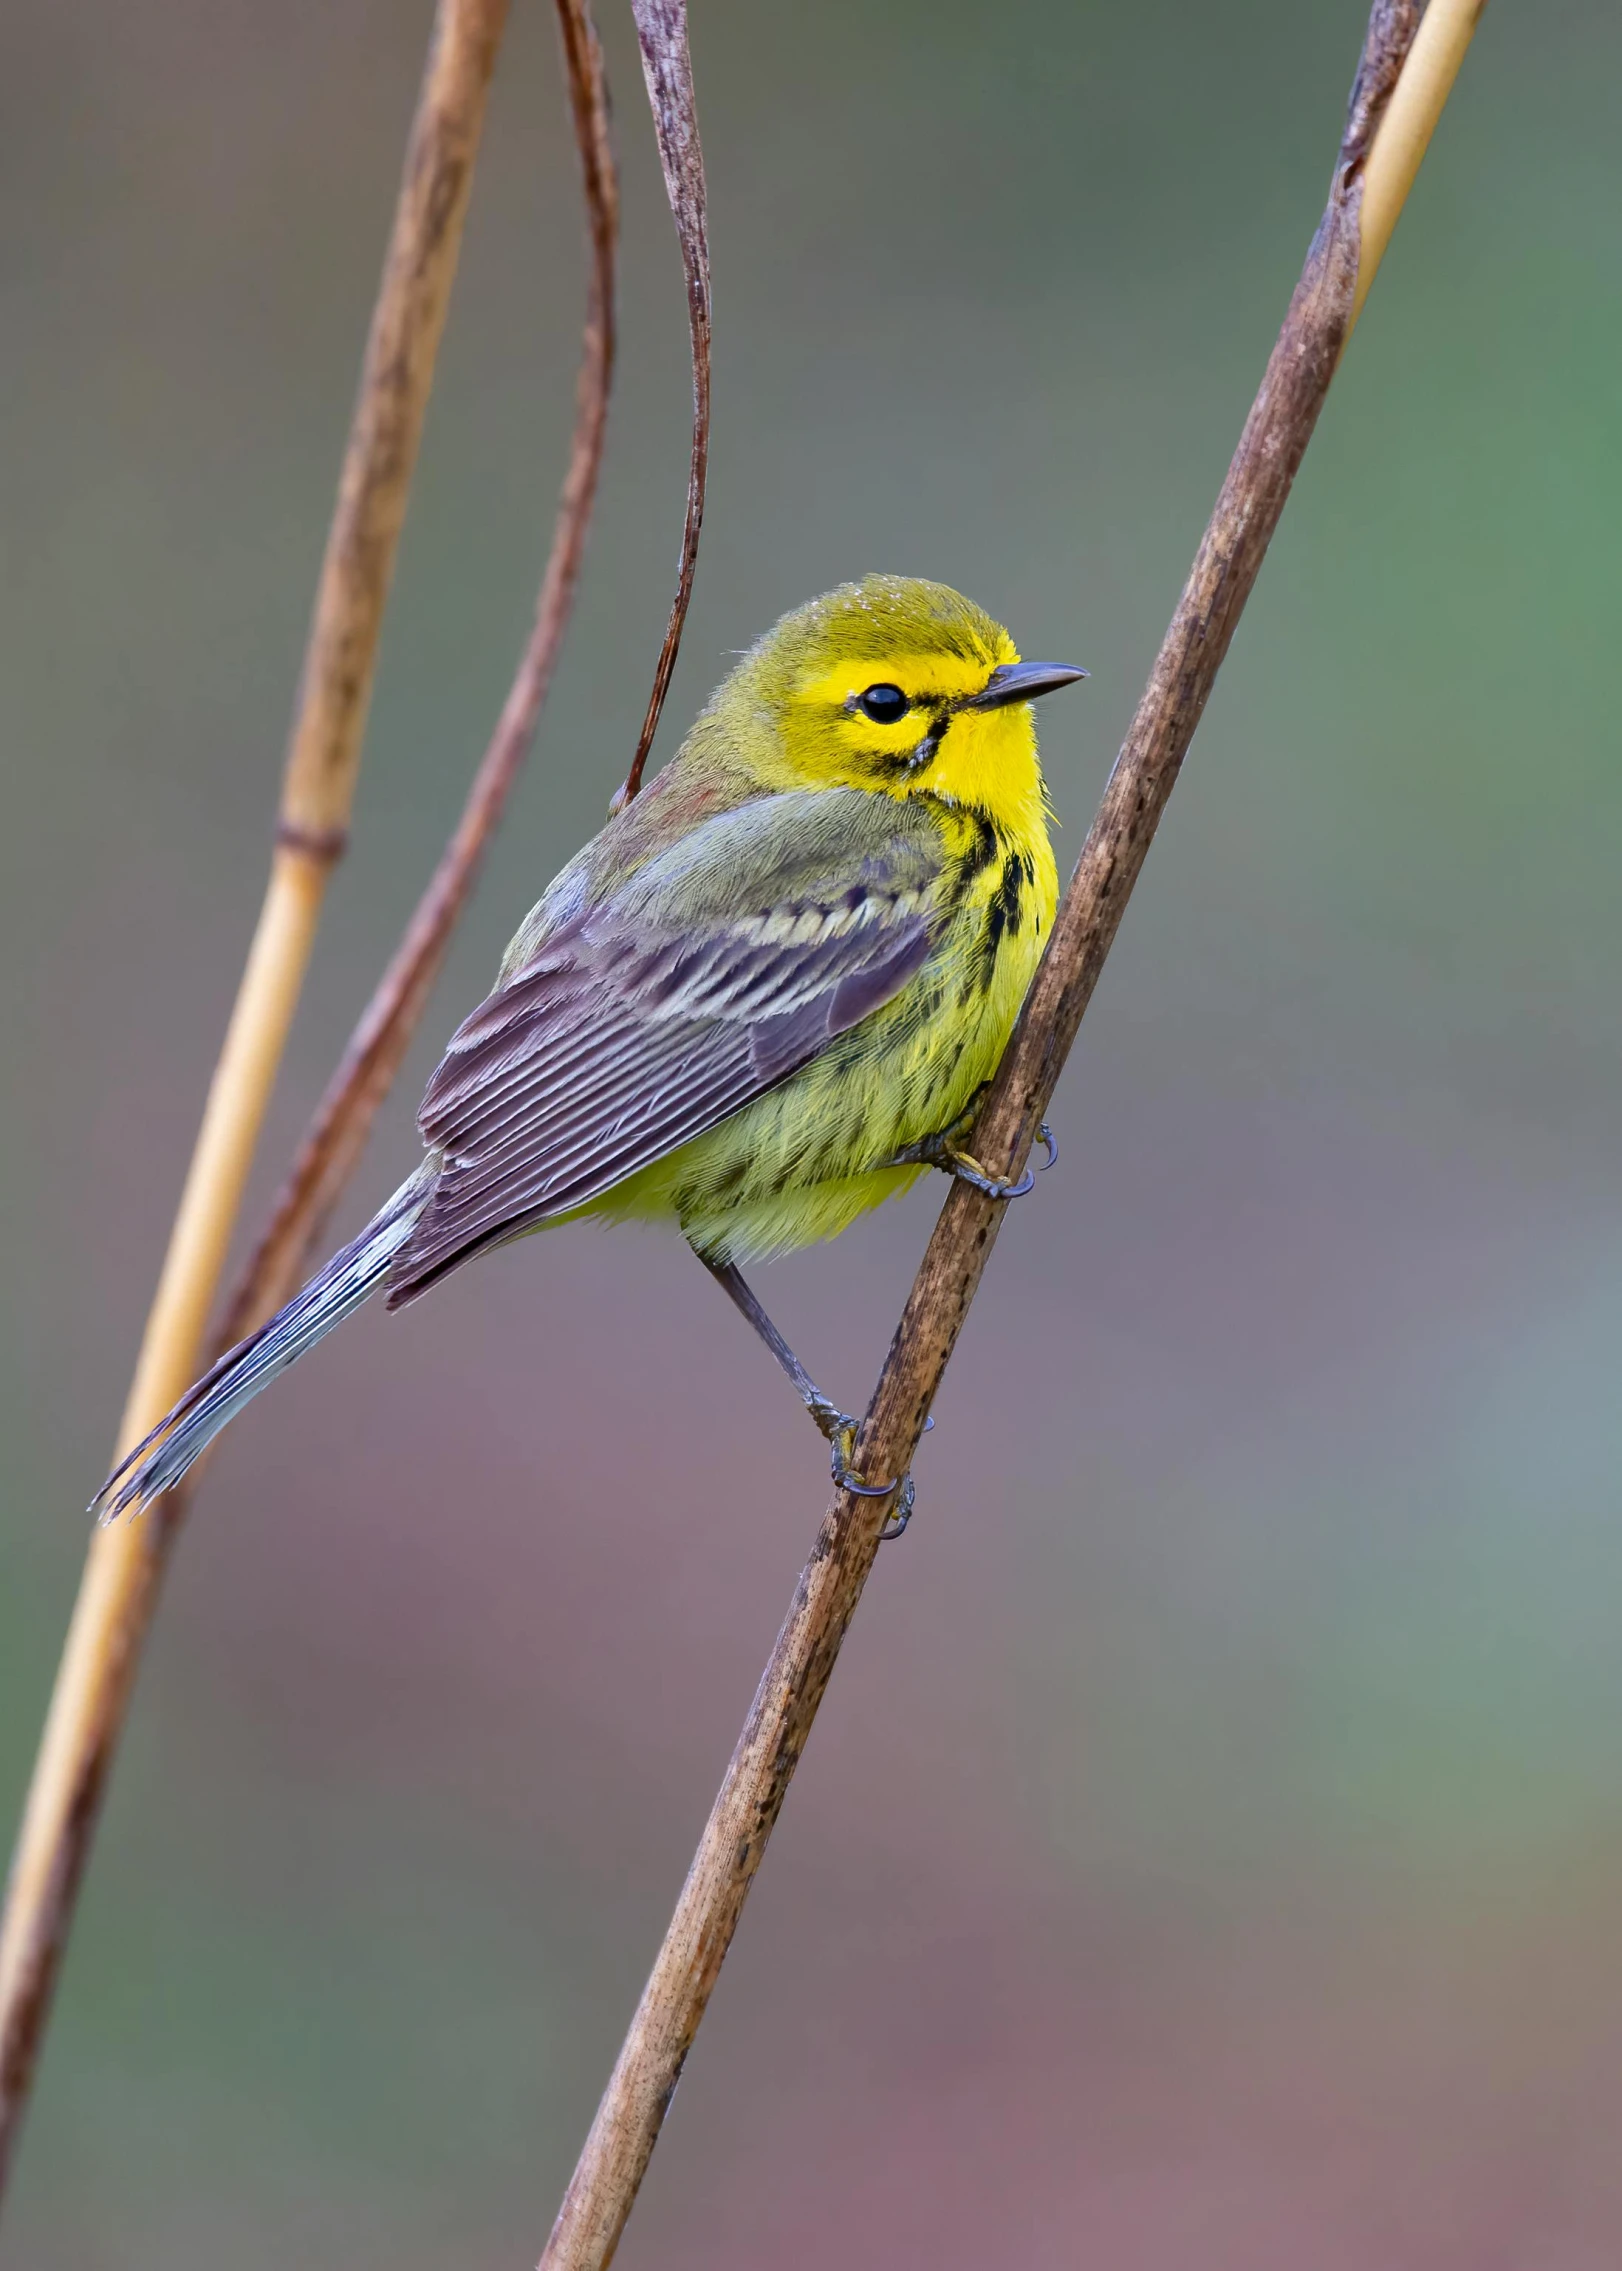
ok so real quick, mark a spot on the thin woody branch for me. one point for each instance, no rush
(661, 28)
(343, 1120)
(1338, 269)
(118, 1591)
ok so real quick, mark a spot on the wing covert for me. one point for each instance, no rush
(712, 974)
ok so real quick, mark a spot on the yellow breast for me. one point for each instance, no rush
(800, 1163)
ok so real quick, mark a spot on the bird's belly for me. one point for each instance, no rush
(802, 1162)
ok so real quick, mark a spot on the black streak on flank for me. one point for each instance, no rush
(1004, 914)
(976, 859)
(984, 849)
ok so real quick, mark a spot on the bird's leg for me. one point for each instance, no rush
(945, 1151)
(838, 1426)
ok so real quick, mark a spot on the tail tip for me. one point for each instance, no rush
(109, 1504)
(123, 1493)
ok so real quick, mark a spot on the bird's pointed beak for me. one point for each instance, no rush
(1022, 682)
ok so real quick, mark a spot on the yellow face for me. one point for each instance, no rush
(901, 687)
(898, 723)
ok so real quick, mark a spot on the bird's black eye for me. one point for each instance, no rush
(885, 705)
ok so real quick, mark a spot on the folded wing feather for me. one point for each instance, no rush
(709, 976)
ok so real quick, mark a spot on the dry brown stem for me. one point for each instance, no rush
(661, 28)
(622, 2137)
(338, 1133)
(117, 1593)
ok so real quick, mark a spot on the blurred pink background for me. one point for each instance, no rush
(1211, 1849)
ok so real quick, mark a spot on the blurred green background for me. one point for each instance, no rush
(1211, 1851)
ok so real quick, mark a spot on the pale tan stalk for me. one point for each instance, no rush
(616, 2154)
(117, 1592)
(1445, 31)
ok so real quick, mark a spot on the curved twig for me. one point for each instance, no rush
(343, 1120)
(117, 1594)
(118, 1598)
(661, 27)
(626, 2128)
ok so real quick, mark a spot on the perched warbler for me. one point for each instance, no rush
(760, 1001)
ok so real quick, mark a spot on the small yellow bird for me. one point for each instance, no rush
(763, 999)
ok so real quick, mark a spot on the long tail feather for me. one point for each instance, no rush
(351, 1277)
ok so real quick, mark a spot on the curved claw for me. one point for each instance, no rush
(845, 1478)
(896, 1526)
(841, 1443)
(1046, 1137)
(993, 1186)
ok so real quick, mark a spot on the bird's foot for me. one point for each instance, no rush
(944, 1151)
(840, 1429)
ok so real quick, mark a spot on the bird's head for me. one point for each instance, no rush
(897, 685)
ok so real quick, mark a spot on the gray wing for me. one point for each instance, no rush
(715, 972)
